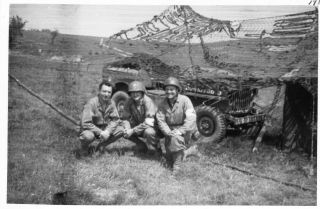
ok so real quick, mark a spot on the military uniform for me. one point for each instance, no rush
(97, 117)
(176, 119)
(136, 113)
(180, 116)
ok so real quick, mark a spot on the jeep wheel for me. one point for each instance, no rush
(120, 98)
(211, 123)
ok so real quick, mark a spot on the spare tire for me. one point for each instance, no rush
(211, 123)
(120, 98)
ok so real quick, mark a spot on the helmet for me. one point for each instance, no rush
(172, 81)
(136, 86)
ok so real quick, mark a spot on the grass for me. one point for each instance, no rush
(42, 168)
(41, 164)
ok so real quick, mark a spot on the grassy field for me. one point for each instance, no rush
(42, 167)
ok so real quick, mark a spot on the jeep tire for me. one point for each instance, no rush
(211, 123)
(120, 98)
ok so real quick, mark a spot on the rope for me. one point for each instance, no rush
(313, 132)
(60, 112)
(261, 176)
(188, 38)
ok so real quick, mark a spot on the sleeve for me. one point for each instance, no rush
(86, 119)
(151, 108)
(162, 124)
(191, 117)
(149, 115)
(139, 128)
(114, 118)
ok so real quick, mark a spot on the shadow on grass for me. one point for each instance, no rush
(73, 197)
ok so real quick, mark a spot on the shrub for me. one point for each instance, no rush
(54, 34)
(16, 26)
(46, 30)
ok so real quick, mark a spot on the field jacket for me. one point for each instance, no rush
(181, 116)
(95, 118)
(136, 113)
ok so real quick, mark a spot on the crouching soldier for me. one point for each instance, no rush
(176, 118)
(99, 121)
(140, 113)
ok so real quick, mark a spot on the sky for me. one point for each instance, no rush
(106, 20)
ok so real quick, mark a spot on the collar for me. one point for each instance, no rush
(101, 103)
(140, 102)
(176, 102)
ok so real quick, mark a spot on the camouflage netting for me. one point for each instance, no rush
(169, 26)
(302, 68)
(271, 54)
(155, 67)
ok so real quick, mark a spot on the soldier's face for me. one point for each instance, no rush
(136, 95)
(105, 92)
(171, 92)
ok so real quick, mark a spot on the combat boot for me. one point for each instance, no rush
(177, 161)
(94, 147)
(196, 136)
(191, 151)
(141, 148)
(82, 152)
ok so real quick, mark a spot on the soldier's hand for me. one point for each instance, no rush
(104, 135)
(176, 132)
(128, 133)
(149, 121)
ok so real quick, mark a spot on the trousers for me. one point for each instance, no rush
(87, 137)
(176, 143)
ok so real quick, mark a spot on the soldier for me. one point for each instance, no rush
(99, 124)
(140, 111)
(176, 119)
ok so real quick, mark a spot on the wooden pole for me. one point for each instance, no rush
(313, 130)
(261, 40)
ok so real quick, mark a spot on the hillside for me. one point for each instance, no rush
(273, 58)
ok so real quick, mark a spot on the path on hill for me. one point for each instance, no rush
(118, 51)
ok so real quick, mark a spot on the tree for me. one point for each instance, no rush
(54, 34)
(16, 26)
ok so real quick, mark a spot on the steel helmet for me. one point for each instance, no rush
(172, 81)
(136, 86)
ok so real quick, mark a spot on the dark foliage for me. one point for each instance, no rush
(16, 26)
